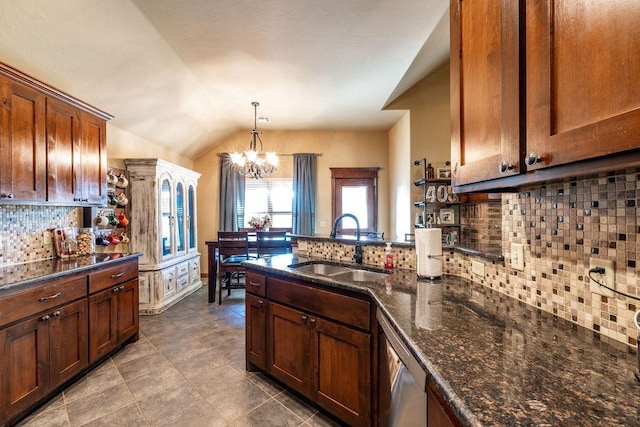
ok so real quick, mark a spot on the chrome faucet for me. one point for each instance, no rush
(357, 257)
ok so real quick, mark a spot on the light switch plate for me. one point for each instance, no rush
(608, 278)
(517, 256)
(48, 238)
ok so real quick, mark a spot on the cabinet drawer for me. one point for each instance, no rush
(255, 284)
(335, 306)
(49, 295)
(194, 271)
(110, 276)
(183, 269)
(183, 282)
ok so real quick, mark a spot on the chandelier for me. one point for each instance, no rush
(253, 163)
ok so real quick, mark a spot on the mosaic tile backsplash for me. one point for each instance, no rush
(561, 226)
(22, 231)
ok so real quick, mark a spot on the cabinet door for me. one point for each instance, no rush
(256, 331)
(22, 143)
(127, 307)
(288, 346)
(63, 151)
(68, 341)
(180, 220)
(583, 97)
(103, 324)
(24, 369)
(167, 220)
(341, 359)
(485, 95)
(191, 219)
(93, 160)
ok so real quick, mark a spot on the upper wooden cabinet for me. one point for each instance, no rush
(76, 160)
(485, 101)
(52, 146)
(583, 96)
(22, 151)
(542, 90)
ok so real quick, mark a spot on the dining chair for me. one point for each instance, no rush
(233, 250)
(272, 243)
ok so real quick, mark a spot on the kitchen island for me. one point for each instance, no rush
(494, 360)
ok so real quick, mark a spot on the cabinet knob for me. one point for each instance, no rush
(116, 289)
(504, 167)
(303, 318)
(312, 322)
(6, 195)
(260, 302)
(532, 158)
(57, 313)
(45, 318)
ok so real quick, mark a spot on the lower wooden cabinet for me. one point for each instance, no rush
(51, 332)
(256, 332)
(306, 348)
(438, 412)
(39, 354)
(113, 318)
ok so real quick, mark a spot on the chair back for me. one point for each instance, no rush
(233, 243)
(272, 243)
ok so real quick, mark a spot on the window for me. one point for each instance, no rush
(271, 197)
(354, 191)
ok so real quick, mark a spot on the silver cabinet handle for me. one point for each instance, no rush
(254, 284)
(57, 313)
(6, 195)
(50, 297)
(121, 288)
(532, 158)
(45, 318)
(312, 322)
(115, 276)
(504, 167)
(303, 318)
(116, 289)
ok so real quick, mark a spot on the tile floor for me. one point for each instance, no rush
(187, 369)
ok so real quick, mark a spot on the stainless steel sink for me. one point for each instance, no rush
(338, 272)
(321, 269)
(359, 276)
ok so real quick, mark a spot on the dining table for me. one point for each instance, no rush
(212, 257)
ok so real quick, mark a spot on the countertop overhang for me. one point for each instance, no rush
(497, 360)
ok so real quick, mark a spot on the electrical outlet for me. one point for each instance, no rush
(477, 267)
(47, 237)
(302, 245)
(608, 278)
(517, 256)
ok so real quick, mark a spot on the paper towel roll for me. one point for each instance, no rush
(429, 252)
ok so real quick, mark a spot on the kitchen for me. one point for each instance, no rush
(556, 255)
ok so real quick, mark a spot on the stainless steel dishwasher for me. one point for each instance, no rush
(402, 396)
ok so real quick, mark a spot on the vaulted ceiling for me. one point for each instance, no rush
(183, 74)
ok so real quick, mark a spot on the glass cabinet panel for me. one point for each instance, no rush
(180, 244)
(165, 217)
(191, 226)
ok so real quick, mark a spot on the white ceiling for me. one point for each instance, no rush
(182, 74)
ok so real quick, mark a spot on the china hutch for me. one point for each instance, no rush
(163, 229)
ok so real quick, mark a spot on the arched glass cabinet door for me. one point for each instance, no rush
(166, 218)
(191, 217)
(180, 218)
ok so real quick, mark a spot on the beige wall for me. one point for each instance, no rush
(336, 149)
(123, 145)
(430, 128)
(400, 179)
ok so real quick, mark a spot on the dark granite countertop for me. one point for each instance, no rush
(496, 360)
(33, 272)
